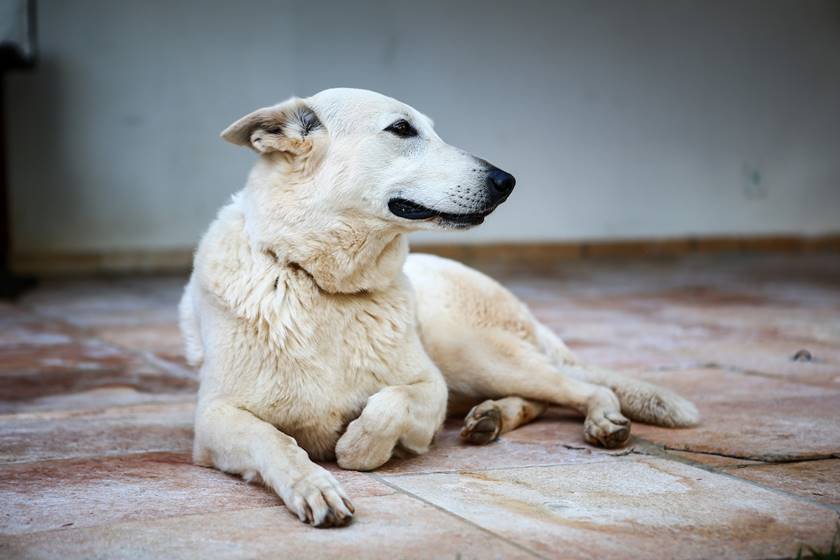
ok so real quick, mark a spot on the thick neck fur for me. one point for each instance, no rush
(344, 260)
(343, 252)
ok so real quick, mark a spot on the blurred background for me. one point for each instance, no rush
(640, 120)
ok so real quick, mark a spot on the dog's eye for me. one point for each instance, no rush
(402, 129)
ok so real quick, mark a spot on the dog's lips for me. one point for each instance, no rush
(412, 211)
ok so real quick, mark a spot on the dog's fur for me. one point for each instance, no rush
(318, 338)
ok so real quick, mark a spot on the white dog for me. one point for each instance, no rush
(319, 338)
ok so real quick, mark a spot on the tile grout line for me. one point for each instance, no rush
(778, 460)
(456, 516)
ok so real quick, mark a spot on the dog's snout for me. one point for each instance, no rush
(500, 182)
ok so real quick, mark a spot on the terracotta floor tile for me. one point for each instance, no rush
(819, 324)
(622, 340)
(40, 436)
(93, 302)
(387, 527)
(41, 358)
(91, 400)
(773, 356)
(815, 480)
(102, 490)
(750, 416)
(96, 409)
(636, 341)
(162, 339)
(627, 507)
(712, 385)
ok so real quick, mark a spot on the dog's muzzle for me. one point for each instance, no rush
(499, 186)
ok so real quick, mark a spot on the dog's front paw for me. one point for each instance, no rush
(363, 447)
(482, 424)
(609, 429)
(319, 500)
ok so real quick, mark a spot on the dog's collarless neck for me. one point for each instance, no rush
(367, 268)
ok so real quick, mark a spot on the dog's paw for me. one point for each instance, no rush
(608, 429)
(319, 500)
(482, 424)
(363, 447)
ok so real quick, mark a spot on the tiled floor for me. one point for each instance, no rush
(96, 408)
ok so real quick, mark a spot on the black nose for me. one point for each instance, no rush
(499, 182)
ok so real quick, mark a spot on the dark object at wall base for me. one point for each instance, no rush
(12, 286)
(17, 51)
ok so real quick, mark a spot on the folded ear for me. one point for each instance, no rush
(286, 127)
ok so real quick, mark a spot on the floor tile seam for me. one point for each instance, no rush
(460, 518)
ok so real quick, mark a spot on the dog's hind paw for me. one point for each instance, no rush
(608, 429)
(482, 424)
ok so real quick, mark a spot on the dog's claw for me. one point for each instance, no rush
(318, 500)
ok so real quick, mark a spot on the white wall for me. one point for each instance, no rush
(619, 119)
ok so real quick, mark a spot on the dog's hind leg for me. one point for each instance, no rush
(492, 418)
(640, 400)
(502, 364)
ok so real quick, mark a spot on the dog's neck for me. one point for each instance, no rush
(342, 261)
(342, 253)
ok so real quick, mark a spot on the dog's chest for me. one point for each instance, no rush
(329, 353)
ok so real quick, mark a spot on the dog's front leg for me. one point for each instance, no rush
(234, 440)
(405, 415)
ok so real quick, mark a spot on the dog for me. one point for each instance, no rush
(319, 338)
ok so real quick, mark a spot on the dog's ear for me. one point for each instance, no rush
(287, 127)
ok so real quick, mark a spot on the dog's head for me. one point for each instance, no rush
(349, 152)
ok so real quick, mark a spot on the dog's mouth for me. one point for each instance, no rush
(413, 211)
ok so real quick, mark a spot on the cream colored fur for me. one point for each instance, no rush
(318, 338)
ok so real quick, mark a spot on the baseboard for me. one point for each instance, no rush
(104, 262)
(180, 260)
(635, 248)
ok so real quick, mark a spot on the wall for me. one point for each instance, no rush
(619, 119)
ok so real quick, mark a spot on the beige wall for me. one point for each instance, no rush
(619, 119)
